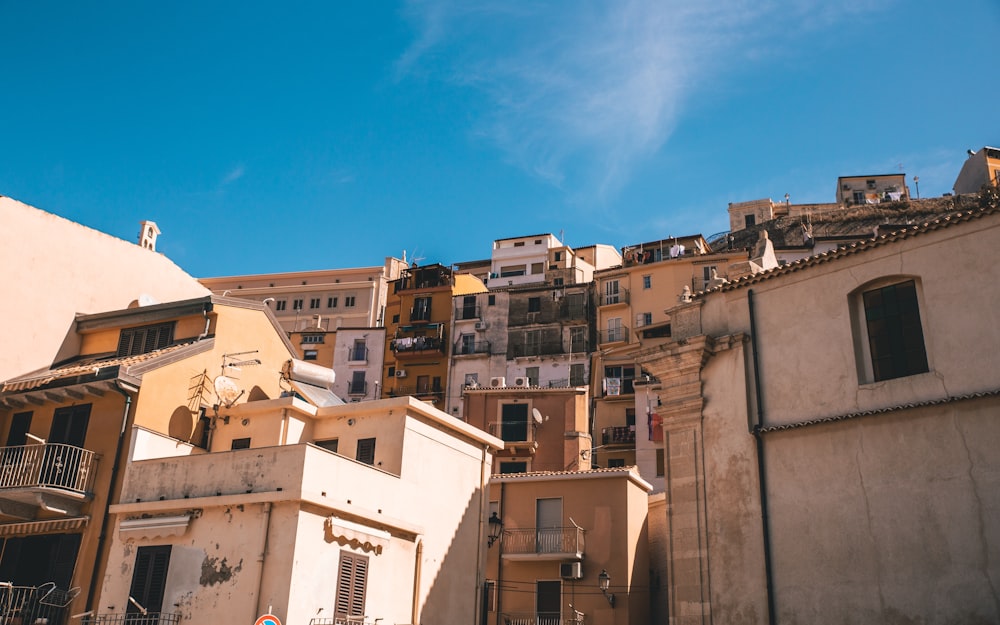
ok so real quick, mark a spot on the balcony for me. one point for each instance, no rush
(472, 348)
(613, 335)
(463, 313)
(549, 543)
(53, 477)
(517, 434)
(618, 436)
(545, 348)
(357, 388)
(417, 346)
(420, 314)
(35, 604)
(417, 391)
(357, 354)
(149, 618)
(613, 299)
(531, 618)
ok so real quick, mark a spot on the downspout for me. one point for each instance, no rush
(417, 565)
(260, 558)
(480, 605)
(761, 473)
(115, 468)
(500, 560)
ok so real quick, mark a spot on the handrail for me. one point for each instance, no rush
(52, 465)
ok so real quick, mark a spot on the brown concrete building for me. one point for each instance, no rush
(830, 436)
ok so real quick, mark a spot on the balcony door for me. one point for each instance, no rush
(35, 560)
(514, 423)
(61, 461)
(548, 525)
(548, 601)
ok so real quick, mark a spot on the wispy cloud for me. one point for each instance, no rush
(587, 90)
(232, 176)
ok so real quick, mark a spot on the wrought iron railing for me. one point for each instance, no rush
(357, 354)
(513, 430)
(531, 618)
(357, 388)
(543, 540)
(618, 297)
(149, 618)
(53, 465)
(467, 312)
(35, 604)
(416, 344)
(613, 335)
(475, 347)
(618, 435)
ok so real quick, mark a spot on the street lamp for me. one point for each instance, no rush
(916, 181)
(604, 582)
(496, 528)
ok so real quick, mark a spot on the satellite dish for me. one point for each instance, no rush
(537, 416)
(227, 390)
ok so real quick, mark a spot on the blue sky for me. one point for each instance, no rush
(266, 138)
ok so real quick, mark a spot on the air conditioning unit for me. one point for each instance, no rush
(521, 381)
(400, 373)
(498, 382)
(571, 570)
(481, 325)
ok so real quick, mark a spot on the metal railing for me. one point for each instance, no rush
(53, 465)
(344, 620)
(357, 388)
(531, 618)
(35, 604)
(513, 431)
(149, 618)
(357, 354)
(476, 347)
(613, 335)
(417, 344)
(609, 299)
(467, 312)
(618, 435)
(543, 540)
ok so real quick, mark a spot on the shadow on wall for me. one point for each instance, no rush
(451, 596)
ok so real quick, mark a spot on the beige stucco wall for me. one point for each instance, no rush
(58, 263)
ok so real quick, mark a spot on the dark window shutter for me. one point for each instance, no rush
(149, 578)
(352, 580)
(366, 451)
(19, 426)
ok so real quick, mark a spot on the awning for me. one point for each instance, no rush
(155, 527)
(357, 536)
(43, 527)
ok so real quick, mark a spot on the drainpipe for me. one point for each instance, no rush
(417, 565)
(500, 560)
(480, 605)
(260, 558)
(115, 468)
(761, 473)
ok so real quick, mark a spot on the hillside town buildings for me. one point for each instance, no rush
(790, 422)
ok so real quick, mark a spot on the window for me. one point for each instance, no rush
(512, 270)
(330, 444)
(577, 375)
(611, 292)
(19, 426)
(895, 336)
(660, 464)
(149, 578)
(706, 272)
(391, 372)
(630, 417)
(618, 381)
(578, 339)
(490, 595)
(349, 301)
(280, 304)
(616, 462)
(314, 302)
(548, 526)
(532, 342)
(615, 330)
(469, 310)
(534, 304)
(557, 255)
(312, 338)
(518, 243)
(557, 282)
(331, 302)
(859, 197)
(643, 319)
(491, 300)
(297, 304)
(366, 450)
(468, 345)
(423, 384)
(537, 268)
(647, 282)
(532, 374)
(421, 310)
(359, 353)
(472, 379)
(513, 467)
(514, 422)
(310, 354)
(145, 339)
(395, 318)
(749, 220)
(240, 443)
(352, 580)
(357, 384)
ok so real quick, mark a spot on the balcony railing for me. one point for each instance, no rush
(344, 620)
(357, 354)
(545, 348)
(416, 344)
(531, 618)
(149, 618)
(420, 314)
(613, 335)
(559, 542)
(476, 347)
(35, 604)
(610, 299)
(357, 388)
(513, 431)
(467, 312)
(418, 391)
(618, 435)
(52, 465)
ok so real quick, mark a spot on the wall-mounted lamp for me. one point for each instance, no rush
(604, 582)
(496, 529)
